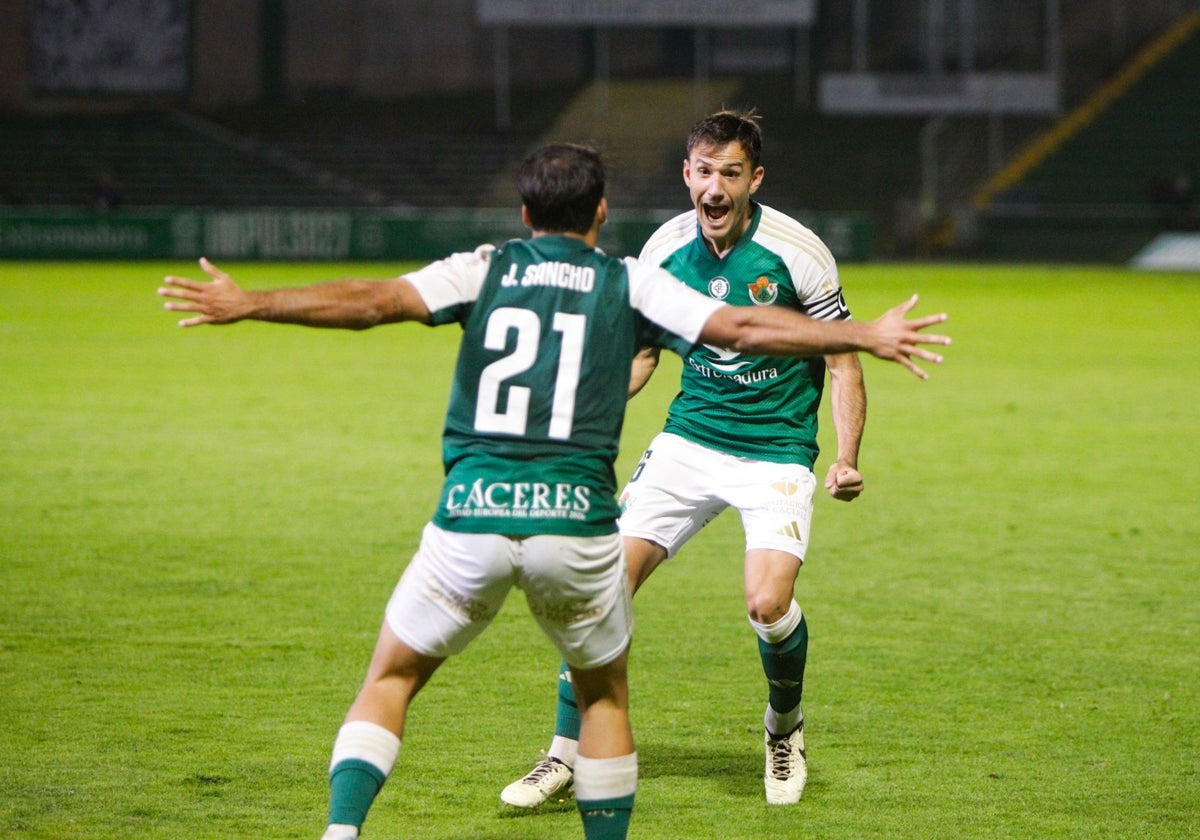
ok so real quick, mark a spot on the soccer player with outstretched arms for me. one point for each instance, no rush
(550, 326)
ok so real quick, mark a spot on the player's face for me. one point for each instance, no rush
(721, 181)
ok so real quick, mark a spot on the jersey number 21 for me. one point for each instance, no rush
(515, 417)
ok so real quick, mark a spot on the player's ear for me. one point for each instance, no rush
(525, 219)
(602, 212)
(756, 179)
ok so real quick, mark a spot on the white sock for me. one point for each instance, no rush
(366, 741)
(605, 778)
(775, 633)
(564, 749)
(782, 723)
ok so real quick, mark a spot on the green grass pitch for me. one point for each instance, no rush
(199, 530)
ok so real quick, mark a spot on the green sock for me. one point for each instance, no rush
(566, 722)
(606, 819)
(604, 790)
(783, 663)
(353, 786)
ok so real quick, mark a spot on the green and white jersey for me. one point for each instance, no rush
(753, 406)
(550, 328)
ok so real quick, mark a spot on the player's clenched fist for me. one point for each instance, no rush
(843, 482)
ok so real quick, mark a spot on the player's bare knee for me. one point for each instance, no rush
(767, 607)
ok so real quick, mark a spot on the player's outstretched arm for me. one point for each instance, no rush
(775, 331)
(345, 304)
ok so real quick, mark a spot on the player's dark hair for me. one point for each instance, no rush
(725, 127)
(561, 185)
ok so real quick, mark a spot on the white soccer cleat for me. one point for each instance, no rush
(549, 778)
(787, 767)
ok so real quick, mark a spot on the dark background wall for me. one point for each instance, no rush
(240, 52)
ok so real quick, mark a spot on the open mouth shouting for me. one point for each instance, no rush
(715, 215)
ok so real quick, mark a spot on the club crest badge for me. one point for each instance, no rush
(762, 291)
(718, 287)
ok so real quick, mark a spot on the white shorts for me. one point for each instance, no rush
(576, 587)
(679, 487)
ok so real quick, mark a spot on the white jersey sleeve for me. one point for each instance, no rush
(453, 280)
(810, 264)
(669, 237)
(668, 302)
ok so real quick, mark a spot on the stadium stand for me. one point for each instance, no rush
(431, 151)
(147, 159)
(331, 153)
(1114, 172)
(640, 125)
(1096, 187)
(442, 153)
(425, 153)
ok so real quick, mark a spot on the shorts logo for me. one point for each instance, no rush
(718, 287)
(762, 291)
(787, 488)
(791, 531)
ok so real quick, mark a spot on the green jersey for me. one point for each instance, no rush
(550, 328)
(759, 407)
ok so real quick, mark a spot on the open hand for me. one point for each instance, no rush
(220, 302)
(899, 337)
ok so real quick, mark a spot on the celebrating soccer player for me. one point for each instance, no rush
(550, 328)
(742, 433)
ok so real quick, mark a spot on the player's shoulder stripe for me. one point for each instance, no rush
(789, 234)
(670, 236)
